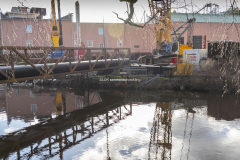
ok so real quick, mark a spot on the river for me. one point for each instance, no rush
(72, 123)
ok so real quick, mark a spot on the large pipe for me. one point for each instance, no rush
(22, 71)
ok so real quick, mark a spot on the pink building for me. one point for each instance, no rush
(36, 32)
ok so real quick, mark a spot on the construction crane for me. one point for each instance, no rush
(161, 9)
(56, 32)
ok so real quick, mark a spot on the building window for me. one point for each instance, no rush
(136, 46)
(101, 45)
(33, 107)
(119, 43)
(181, 40)
(29, 29)
(100, 31)
(90, 43)
(29, 43)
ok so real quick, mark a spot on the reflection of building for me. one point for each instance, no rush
(2, 100)
(26, 104)
(64, 131)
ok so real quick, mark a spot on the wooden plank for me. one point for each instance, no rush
(112, 57)
(52, 56)
(79, 61)
(21, 79)
(45, 61)
(5, 75)
(99, 56)
(49, 48)
(105, 57)
(70, 61)
(50, 71)
(89, 58)
(41, 60)
(129, 53)
(12, 65)
(28, 61)
(118, 53)
(26, 55)
(65, 56)
(6, 60)
(123, 59)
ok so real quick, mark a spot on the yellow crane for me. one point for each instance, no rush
(161, 11)
(161, 19)
(55, 32)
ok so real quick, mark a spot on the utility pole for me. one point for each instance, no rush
(60, 24)
(103, 34)
(78, 23)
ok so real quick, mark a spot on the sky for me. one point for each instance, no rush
(102, 10)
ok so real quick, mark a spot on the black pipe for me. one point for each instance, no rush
(24, 71)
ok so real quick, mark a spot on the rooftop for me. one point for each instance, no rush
(214, 18)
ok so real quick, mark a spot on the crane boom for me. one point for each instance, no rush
(161, 9)
(55, 35)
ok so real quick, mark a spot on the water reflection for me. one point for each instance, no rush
(51, 123)
(73, 120)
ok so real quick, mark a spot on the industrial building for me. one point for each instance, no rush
(24, 27)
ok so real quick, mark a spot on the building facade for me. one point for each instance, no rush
(36, 32)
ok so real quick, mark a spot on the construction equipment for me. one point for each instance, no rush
(162, 21)
(60, 24)
(59, 104)
(161, 11)
(55, 32)
(162, 27)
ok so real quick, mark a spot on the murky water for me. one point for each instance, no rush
(52, 123)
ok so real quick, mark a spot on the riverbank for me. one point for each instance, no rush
(197, 82)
